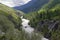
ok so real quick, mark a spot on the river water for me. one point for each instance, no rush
(27, 28)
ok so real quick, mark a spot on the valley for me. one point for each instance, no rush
(31, 22)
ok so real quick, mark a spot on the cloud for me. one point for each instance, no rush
(12, 3)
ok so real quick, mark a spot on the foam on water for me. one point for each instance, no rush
(44, 38)
(27, 28)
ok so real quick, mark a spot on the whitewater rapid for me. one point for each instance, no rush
(27, 28)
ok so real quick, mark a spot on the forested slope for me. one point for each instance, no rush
(47, 20)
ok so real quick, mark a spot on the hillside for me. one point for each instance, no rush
(47, 20)
(9, 23)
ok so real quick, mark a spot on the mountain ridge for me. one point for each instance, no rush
(32, 6)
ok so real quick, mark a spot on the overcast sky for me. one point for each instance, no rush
(12, 3)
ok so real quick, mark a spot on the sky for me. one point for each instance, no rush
(13, 3)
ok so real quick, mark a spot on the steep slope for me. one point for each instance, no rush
(47, 20)
(32, 5)
(9, 23)
(10, 14)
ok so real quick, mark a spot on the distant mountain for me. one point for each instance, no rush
(32, 5)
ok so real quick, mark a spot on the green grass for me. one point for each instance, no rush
(9, 21)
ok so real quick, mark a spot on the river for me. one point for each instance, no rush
(27, 28)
